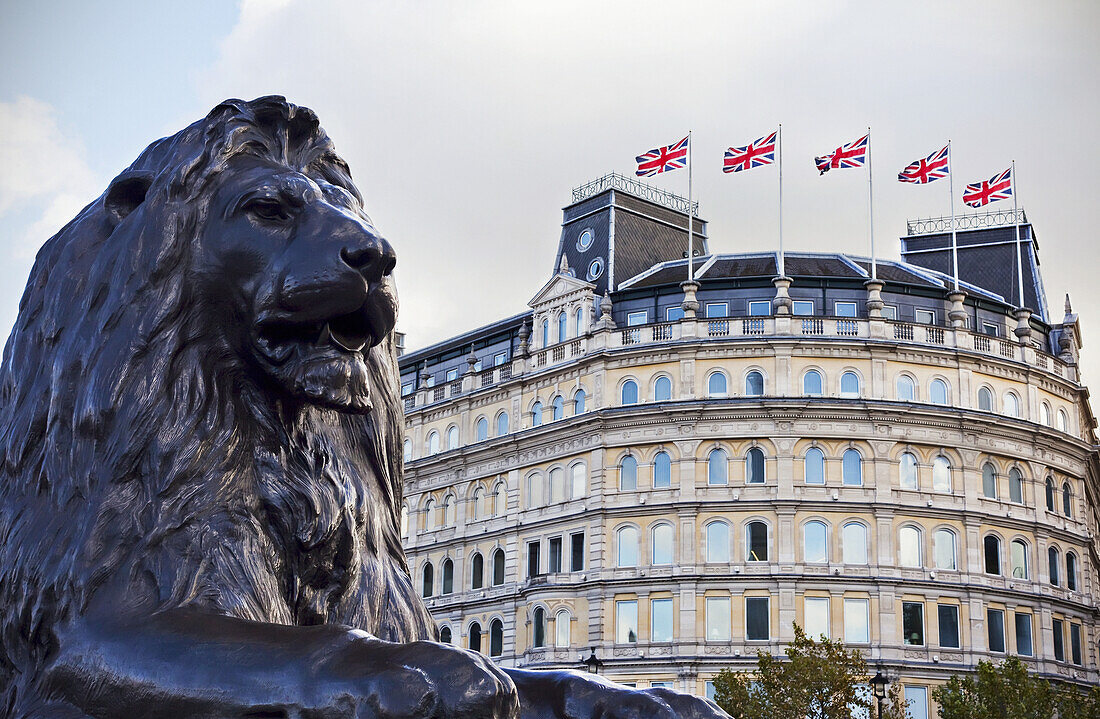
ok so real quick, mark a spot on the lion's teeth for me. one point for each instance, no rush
(326, 335)
(342, 342)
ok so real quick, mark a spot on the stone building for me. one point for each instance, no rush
(669, 474)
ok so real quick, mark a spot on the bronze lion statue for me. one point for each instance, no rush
(200, 458)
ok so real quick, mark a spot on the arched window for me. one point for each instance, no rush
(662, 544)
(557, 485)
(536, 414)
(1016, 486)
(561, 629)
(477, 574)
(849, 384)
(500, 498)
(937, 391)
(445, 635)
(475, 637)
(756, 542)
(559, 407)
(662, 389)
(448, 568)
(407, 449)
(482, 429)
(815, 542)
(754, 384)
(535, 492)
(563, 331)
(452, 437)
(1052, 565)
(992, 547)
(496, 638)
(853, 468)
(1050, 494)
(1011, 404)
(627, 539)
(502, 424)
(717, 467)
(906, 388)
(909, 547)
(989, 481)
(449, 511)
(429, 514)
(546, 333)
(428, 580)
(578, 320)
(907, 471)
(476, 503)
(629, 393)
(854, 541)
(812, 384)
(815, 466)
(404, 521)
(498, 567)
(1017, 555)
(433, 442)
(985, 399)
(1063, 421)
(1071, 571)
(941, 474)
(943, 547)
(578, 401)
(716, 385)
(1067, 500)
(754, 466)
(718, 542)
(628, 474)
(578, 480)
(662, 470)
(1044, 414)
(538, 621)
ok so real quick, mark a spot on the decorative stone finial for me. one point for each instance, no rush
(524, 335)
(1069, 307)
(563, 268)
(605, 305)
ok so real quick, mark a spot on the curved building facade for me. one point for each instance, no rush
(669, 475)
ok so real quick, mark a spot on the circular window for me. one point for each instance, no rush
(585, 240)
(595, 269)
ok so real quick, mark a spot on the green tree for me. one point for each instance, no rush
(997, 692)
(1075, 702)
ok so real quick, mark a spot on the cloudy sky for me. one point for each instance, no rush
(467, 124)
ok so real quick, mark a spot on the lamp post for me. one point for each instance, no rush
(591, 663)
(878, 685)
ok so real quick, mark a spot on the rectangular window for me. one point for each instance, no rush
(637, 318)
(452, 375)
(855, 621)
(1075, 643)
(757, 619)
(1059, 641)
(477, 366)
(890, 312)
(988, 328)
(816, 617)
(844, 309)
(532, 559)
(430, 381)
(660, 620)
(626, 622)
(917, 697)
(406, 389)
(660, 685)
(949, 625)
(500, 358)
(718, 619)
(760, 308)
(708, 689)
(926, 317)
(995, 622)
(912, 620)
(1023, 635)
(576, 548)
(718, 309)
(554, 555)
(803, 307)
(674, 314)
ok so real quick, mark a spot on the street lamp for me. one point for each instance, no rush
(591, 663)
(878, 685)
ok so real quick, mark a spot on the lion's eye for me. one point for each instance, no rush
(269, 209)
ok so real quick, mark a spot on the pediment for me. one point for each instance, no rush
(560, 285)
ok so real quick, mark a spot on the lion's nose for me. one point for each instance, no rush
(374, 259)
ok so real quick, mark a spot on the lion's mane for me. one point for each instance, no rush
(133, 450)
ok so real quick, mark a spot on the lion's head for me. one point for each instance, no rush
(202, 379)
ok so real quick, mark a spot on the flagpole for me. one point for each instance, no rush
(951, 199)
(782, 263)
(871, 208)
(1016, 219)
(691, 239)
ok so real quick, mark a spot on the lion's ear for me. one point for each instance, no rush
(126, 192)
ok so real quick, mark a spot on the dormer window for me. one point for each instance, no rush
(595, 269)
(585, 240)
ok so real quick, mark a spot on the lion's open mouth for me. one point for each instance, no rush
(351, 332)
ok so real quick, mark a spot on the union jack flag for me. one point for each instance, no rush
(926, 169)
(754, 154)
(663, 159)
(998, 187)
(854, 154)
